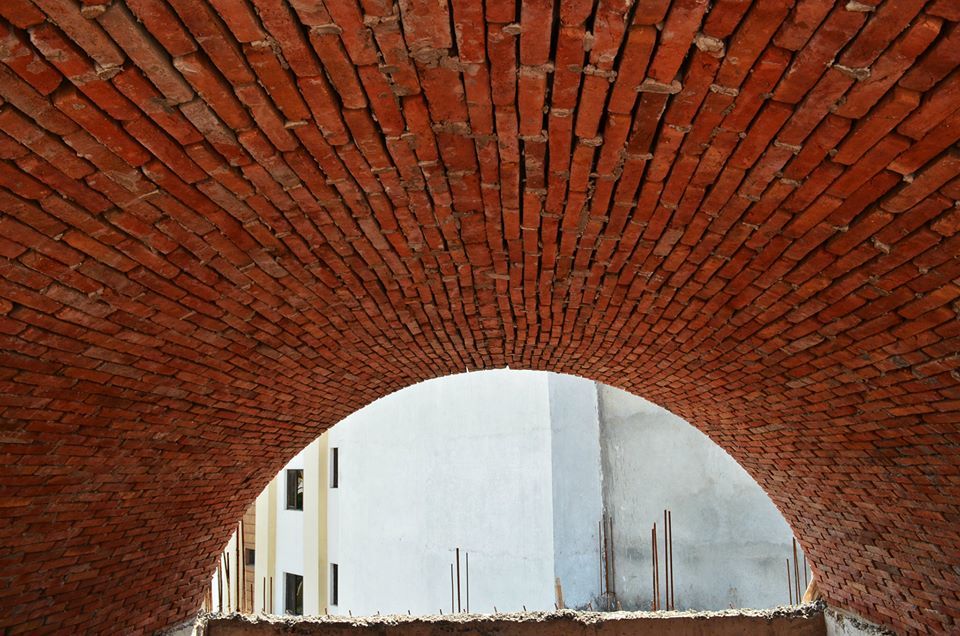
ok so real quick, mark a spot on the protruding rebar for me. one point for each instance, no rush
(656, 569)
(459, 607)
(600, 558)
(673, 600)
(796, 571)
(789, 584)
(611, 563)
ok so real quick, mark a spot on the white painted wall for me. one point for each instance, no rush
(462, 461)
(264, 540)
(290, 535)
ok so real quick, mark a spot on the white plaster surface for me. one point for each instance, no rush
(463, 461)
(290, 525)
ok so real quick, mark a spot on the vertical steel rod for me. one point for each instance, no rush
(653, 567)
(458, 580)
(796, 571)
(805, 583)
(451, 588)
(666, 561)
(673, 603)
(466, 557)
(600, 557)
(612, 562)
(656, 565)
(789, 583)
(606, 561)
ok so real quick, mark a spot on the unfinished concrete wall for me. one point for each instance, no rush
(801, 622)
(730, 541)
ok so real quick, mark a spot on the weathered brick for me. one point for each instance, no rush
(211, 210)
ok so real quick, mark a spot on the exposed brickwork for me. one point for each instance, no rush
(227, 224)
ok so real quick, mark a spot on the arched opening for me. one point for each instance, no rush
(537, 490)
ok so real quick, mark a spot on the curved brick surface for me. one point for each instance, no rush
(227, 224)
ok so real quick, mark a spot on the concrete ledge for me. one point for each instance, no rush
(806, 620)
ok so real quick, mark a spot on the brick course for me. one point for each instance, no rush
(224, 226)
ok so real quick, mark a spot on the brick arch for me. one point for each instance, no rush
(225, 225)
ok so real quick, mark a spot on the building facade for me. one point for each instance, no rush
(509, 490)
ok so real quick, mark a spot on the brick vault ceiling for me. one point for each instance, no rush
(226, 224)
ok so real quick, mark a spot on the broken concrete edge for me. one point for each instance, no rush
(842, 623)
(186, 628)
(206, 620)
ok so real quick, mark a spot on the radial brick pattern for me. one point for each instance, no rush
(226, 224)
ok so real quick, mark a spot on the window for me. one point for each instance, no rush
(295, 489)
(334, 467)
(250, 557)
(334, 584)
(293, 593)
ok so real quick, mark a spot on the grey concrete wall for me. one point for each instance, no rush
(807, 622)
(577, 504)
(730, 542)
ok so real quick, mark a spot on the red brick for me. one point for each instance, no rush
(939, 60)
(937, 140)
(887, 114)
(489, 189)
(144, 52)
(163, 24)
(88, 36)
(107, 132)
(682, 22)
(809, 63)
(925, 183)
(889, 67)
(21, 13)
(16, 53)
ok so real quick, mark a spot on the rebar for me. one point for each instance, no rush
(673, 600)
(796, 571)
(789, 585)
(459, 608)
